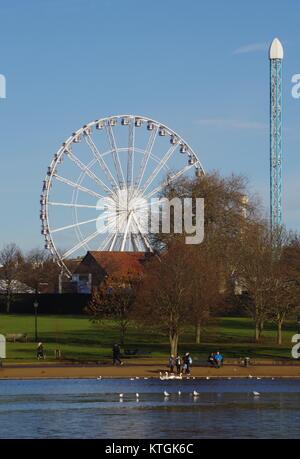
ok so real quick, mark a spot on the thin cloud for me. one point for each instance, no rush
(231, 124)
(252, 48)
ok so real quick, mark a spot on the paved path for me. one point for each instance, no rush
(141, 370)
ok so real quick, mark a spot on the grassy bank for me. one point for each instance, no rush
(79, 339)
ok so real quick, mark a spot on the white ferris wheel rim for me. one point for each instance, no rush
(86, 131)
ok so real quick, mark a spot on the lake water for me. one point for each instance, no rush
(79, 408)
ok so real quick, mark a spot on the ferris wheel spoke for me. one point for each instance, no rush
(113, 242)
(79, 245)
(169, 180)
(105, 243)
(146, 156)
(130, 159)
(63, 228)
(158, 168)
(86, 170)
(126, 232)
(67, 204)
(76, 185)
(97, 155)
(115, 154)
(142, 234)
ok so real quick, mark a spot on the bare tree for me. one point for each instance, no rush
(229, 208)
(285, 293)
(164, 293)
(39, 269)
(114, 299)
(11, 261)
(206, 289)
(255, 273)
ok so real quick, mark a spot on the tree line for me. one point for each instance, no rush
(31, 270)
(241, 263)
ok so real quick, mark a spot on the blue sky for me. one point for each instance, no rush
(200, 67)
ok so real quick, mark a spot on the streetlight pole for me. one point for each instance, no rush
(36, 305)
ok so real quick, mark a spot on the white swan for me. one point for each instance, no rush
(195, 393)
(256, 394)
(165, 377)
(166, 394)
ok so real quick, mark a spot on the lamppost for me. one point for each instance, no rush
(36, 305)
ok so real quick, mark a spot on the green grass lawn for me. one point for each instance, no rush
(79, 339)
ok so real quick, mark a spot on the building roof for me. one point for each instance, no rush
(115, 264)
(72, 264)
(15, 287)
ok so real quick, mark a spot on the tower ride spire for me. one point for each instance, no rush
(276, 59)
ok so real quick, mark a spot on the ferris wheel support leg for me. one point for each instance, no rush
(142, 234)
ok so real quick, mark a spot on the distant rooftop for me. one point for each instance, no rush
(118, 264)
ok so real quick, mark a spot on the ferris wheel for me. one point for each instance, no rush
(110, 167)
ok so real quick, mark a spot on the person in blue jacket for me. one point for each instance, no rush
(219, 359)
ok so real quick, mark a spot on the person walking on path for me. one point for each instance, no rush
(40, 351)
(219, 359)
(171, 363)
(117, 355)
(187, 361)
(211, 359)
(178, 364)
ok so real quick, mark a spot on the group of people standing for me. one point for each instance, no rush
(182, 364)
